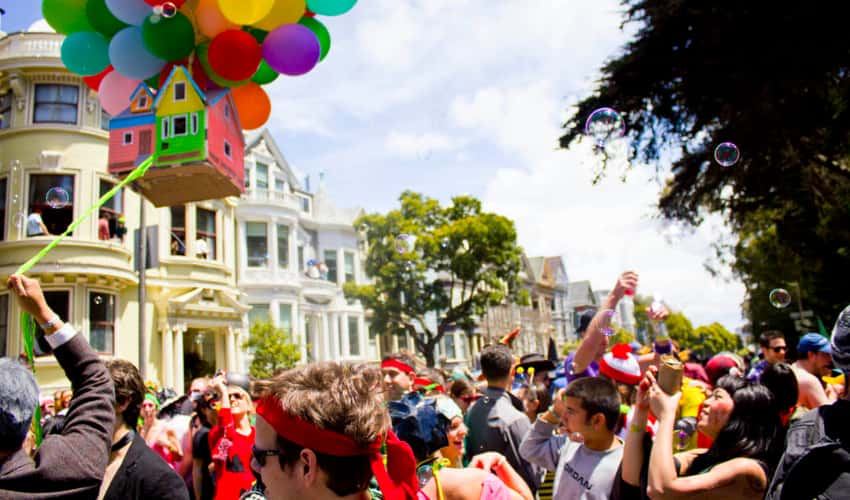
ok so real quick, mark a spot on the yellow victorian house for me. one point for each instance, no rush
(53, 165)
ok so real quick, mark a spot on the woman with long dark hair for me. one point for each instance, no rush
(748, 438)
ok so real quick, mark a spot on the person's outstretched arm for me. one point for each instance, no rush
(633, 451)
(594, 338)
(74, 461)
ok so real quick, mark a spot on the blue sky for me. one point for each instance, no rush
(453, 97)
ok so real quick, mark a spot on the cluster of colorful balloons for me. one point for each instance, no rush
(236, 44)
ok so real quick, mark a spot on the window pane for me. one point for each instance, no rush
(205, 236)
(262, 176)
(101, 321)
(178, 230)
(4, 323)
(56, 104)
(104, 120)
(279, 185)
(258, 312)
(349, 267)
(180, 125)
(3, 185)
(257, 244)
(285, 313)
(282, 246)
(5, 110)
(330, 261)
(353, 336)
(450, 345)
(55, 220)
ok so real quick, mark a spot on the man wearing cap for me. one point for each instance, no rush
(398, 376)
(814, 361)
(323, 432)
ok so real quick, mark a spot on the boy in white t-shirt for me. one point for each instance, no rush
(587, 457)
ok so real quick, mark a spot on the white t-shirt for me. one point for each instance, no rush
(34, 224)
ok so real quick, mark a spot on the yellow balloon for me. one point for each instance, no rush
(245, 11)
(283, 12)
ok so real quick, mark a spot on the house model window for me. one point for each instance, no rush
(165, 128)
(228, 151)
(194, 123)
(227, 110)
(128, 138)
(143, 101)
(180, 126)
(180, 91)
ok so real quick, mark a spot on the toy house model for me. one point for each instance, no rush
(195, 138)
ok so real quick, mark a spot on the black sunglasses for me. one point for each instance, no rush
(779, 349)
(261, 455)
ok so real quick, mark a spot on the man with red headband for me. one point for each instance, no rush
(398, 376)
(323, 432)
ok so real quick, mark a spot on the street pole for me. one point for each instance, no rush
(143, 329)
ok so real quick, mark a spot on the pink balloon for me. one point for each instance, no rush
(115, 91)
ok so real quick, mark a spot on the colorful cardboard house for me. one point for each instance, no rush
(195, 137)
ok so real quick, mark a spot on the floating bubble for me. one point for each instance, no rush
(20, 220)
(169, 10)
(727, 154)
(58, 198)
(98, 299)
(405, 243)
(607, 327)
(779, 298)
(14, 199)
(444, 243)
(605, 124)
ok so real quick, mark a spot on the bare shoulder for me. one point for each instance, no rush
(457, 484)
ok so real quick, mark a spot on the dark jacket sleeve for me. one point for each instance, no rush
(73, 462)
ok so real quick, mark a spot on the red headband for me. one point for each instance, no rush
(397, 481)
(399, 365)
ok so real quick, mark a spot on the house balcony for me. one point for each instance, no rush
(319, 291)
(267, 197)
(111, 261)
(41, 49)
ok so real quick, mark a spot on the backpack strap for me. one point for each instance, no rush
(825, 469)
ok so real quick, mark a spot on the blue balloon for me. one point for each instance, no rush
(85, 53)
(130, 11)
(129, 56)
(330, 7)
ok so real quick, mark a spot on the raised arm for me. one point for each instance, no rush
(541, 446)
(594, 338)
(633, 451)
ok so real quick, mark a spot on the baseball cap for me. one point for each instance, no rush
(813, 342)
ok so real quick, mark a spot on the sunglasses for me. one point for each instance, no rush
(261, 455)
(235, 395)
(779, 349)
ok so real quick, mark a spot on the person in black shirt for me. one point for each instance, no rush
(202, 480)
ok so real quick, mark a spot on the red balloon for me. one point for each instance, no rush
(309, 13)
(235, 55)
(200, 76)
(94, 81)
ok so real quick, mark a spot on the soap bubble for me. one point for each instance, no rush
(605, 124)
(607, 327)
(169, 10)
(58, 198)
(780, 298)
(727, 154)
(98, 299)
(14, 199)
(405, 243)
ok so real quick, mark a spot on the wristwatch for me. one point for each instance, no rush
(51, 324)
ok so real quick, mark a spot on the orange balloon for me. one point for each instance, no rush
(210, 20)
(253, 105)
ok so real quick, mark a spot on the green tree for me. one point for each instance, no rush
(273, 349)
(714, 338)
(431, 261)
(698, 74)
(621, 336)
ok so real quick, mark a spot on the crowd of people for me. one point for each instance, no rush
(609, 421)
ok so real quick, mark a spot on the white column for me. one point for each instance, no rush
(363, 338)
(301, 320)
(326, 339)
(240, 360)
(334, 335)
(179, 383)
(293, 249)
(220, 351)
(167, 360)
(231, 349)
(345, 348)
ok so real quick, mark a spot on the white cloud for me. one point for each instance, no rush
(419, 145)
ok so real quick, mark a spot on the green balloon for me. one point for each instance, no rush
(321, 33)
(171, 39)
(258, 34)
(66, 16)
(265, 74)
(102, 20)
(153, 82)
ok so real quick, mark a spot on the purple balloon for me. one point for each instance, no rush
(292, 49)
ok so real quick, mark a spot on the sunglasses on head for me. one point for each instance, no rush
(779, 349)
(261, 455)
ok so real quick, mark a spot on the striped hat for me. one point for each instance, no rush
(620, 365)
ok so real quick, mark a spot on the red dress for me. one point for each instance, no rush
(231, 453)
